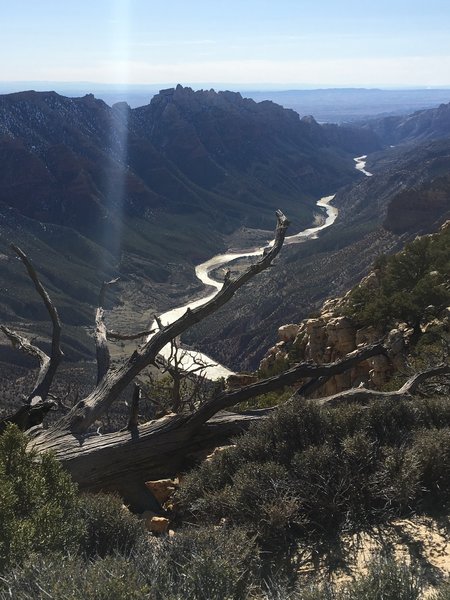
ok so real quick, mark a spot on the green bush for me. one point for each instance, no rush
(201, 564)
(72, 578)
(431, 447)
(108, 526)
(386, 580)
(197, 564)
(308, 473)
(410, 281)
(38, 503)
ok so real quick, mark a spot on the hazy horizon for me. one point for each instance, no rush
(216, 85)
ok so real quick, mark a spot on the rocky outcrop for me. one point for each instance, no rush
(329, 336)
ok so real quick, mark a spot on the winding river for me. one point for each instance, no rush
(190, 358)
(361, 165)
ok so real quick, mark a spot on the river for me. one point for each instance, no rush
(361, 165)
(190, 358)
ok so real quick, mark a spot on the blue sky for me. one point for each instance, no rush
(284, 42)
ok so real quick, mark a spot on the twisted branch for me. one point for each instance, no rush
(48, 364)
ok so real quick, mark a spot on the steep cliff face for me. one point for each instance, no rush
(214, 158)
(64, 162)
(252, 155)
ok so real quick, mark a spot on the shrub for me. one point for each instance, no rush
(431, 447)
(109, 526)
(309, 473)
(72, 578)
(386, 580)
(200, 564)
(38, 503)
(410, 281)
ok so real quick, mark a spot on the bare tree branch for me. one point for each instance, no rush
(48, 365)
(228, 398)
(109, 387)
(22, 343)
(100, 335)
(363, 395)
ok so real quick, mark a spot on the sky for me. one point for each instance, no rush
(284, 43)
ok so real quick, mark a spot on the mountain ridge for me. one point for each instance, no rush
(152, 191)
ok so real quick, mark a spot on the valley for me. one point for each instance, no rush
(94, 192)
(225, 300)
(192, 358)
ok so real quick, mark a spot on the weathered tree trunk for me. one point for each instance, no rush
(123, 460)
(158, 449)
(48, 364)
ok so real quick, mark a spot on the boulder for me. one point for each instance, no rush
(315, 329)
(217, 451)
(341, 335)
(157, 524)
(162, 489)
(287, 333)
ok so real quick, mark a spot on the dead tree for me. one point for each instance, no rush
(123, 460)
(186, 388)
(48, 364)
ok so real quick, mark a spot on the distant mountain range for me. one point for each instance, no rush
(91, 190)
(332, 105)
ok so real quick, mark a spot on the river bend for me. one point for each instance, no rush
(203, 272)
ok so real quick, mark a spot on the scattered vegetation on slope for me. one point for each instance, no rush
(411, 283)
(305, 473)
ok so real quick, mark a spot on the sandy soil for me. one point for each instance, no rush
(422, 542)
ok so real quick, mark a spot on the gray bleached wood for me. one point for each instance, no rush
(48, 364)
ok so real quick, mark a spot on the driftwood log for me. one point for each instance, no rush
(123, 460)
